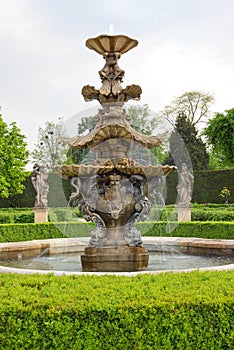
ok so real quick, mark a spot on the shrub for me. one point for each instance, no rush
(28, 232)
(212, 215)
(165, 311)
(206, 229)
(203, 229)
(16, 216)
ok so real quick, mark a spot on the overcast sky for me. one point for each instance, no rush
(183, 45)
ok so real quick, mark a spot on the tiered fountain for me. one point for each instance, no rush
(116, 190)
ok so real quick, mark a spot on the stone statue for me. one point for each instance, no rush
(38, 177)
(185, 186)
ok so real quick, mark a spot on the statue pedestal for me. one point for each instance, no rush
(121, 258)
(40, 215)
(184, 213)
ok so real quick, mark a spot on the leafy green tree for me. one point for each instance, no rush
(195, 105)
(13, 159)
(50, 150)
(185, 144)
(220, 136)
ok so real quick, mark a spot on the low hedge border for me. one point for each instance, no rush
(26, 215)
(199, 229)
(205, 229)
(215, 212)
(165, 311)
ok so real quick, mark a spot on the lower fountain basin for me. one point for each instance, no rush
(166, 254)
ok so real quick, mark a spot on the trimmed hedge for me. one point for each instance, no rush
(198, 213)
(206, 229)
(59, 193)
(11, 215)
(213, 212)
(207, 186)
(165, 311)
(26, 215)
(28, 232)
(199, 229)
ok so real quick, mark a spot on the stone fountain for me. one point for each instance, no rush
(117, 191)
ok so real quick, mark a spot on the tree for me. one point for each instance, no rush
(13, 159)
(195, 105)
(220, 136)
(186, 146)
(50, 149)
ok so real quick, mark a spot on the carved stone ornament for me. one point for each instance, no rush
(111, 47)
(117, 189)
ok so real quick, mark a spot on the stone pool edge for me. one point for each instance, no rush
(184, 245)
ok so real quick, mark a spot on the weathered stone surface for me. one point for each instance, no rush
(40, 215)
(122, 258)
(184, 213)
(118, 182)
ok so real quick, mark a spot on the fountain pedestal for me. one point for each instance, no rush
(123, 258)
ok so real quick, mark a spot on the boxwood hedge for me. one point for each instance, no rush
(165, 311)
(205, 229)
(199, 213)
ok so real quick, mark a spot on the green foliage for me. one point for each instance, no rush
(199, 229)
(207, 186)
(198, 213)
(59, 194)
(165, 311)
(185, 144)
(206, 214)
(16, 216)
(13, 158)
(85, 126)
(30, 231)
(220, 135)
(50, 150)
(216, 161)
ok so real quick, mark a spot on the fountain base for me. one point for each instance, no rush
(117, 259)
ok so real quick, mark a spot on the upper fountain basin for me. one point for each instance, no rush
(104, 44)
